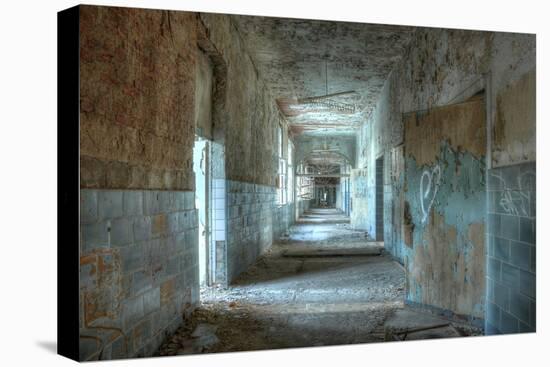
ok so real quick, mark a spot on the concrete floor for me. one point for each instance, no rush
(286, 301)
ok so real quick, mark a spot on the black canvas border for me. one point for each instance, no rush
(68, 182)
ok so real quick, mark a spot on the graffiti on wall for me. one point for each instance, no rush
(517, 201)
(429, 185)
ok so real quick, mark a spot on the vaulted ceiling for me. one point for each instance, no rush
(300, 59)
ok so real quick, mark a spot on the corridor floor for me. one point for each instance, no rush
(285, 301)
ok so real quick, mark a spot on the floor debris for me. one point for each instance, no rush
(288, 301)
(408, 324)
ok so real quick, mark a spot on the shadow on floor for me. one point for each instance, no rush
(49, 346)
(285, 270)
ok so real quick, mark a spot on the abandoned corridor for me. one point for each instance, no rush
(256, 182)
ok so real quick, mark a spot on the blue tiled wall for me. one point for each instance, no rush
(511, 290)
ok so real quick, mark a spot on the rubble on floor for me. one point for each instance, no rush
(291, 301)
(283, 302)
(184, 341)
(408, 324)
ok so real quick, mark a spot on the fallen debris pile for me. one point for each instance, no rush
(183, 342)
(407, 324)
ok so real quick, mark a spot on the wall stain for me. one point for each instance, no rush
(445, 195)
(515, 125)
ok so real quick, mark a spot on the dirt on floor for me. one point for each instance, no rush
(302, 301)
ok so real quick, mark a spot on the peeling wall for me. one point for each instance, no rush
(249, 120)
(442, 67)
(204, 87)
(444, 189)
(138, 223)
(250, 114)
(515, 124)
(137, 88)
(150, 80)
(138, 269)
(371, 141)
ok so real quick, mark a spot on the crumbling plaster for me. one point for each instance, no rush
(249, 119)
(291, 54)
(442, 67)
(137, 89)
(251, 116)
(140, 108)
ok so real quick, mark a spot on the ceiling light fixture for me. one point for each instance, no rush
(325, 102)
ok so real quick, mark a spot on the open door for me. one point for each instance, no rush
(201, 167)
(445, 207)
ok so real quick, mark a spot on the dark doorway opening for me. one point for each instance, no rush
(379, 201)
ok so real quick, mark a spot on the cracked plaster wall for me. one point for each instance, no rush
(442, 67)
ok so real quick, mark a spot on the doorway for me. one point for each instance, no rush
(201, 168)
(380, 199)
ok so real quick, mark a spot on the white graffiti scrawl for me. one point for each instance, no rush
(428, 190)
(517, 201)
